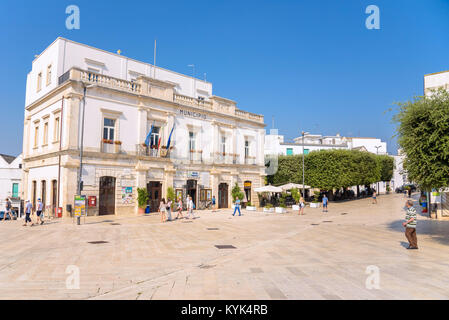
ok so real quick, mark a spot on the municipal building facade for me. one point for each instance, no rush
(131, 112)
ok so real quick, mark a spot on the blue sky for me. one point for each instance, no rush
(311, 64)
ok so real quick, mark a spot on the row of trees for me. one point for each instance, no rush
(334, 169)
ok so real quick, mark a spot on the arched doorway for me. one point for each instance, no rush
(223, 195)
(191, 190)
(107, 196)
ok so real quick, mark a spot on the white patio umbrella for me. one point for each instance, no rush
(268, 188)
(290, 186)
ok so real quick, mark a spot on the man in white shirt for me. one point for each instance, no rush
(190, 206)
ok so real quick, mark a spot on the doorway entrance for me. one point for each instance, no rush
(154, 189)
(247, 188)
(223, 195)
(107, 196)
(191, 190)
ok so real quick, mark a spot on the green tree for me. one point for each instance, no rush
(423, 135)
(295, 195)
(236, 192)
(386, 167)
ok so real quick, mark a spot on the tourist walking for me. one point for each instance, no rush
(237, 207)
(8, 207)
(28, 210)
(39, 209)
(410, 225)
(302, 205)
(213, 203)
(162, 209)
(169, 203)
(190, 207)
(179, 209)
(374, 197)
(325, 201)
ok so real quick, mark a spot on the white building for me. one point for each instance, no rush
(275, 144)
(399, 174)
(10, 180)
(214, 144)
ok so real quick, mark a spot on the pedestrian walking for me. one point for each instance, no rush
(179, 209)
(190, 207)
(213, 203)
(8, 207)
(162, 209)
(28, 210)
(374, 197)
(409, 190)
(237, 207)
(410, 225)
(39, 209)
(302, 205)
(325, 201)
(169, 203)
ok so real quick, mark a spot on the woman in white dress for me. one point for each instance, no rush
(162, 209)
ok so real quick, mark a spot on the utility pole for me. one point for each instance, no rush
(377, 152)
(303, 175)
(193, 77)
(80, 174)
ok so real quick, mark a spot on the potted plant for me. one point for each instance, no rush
(268, 208)
(171, 196)
(142, 199)
(250, 207)
(296, 196)
(117, 145)
(282, 207)
(315, 203)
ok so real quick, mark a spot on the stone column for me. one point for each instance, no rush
(71, 122)
(142, 125)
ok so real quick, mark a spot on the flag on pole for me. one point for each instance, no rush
(147, 140)
(159, 143)
(169, 138)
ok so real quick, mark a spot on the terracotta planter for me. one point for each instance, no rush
(141, 211)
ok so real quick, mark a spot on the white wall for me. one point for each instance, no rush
(9, 173)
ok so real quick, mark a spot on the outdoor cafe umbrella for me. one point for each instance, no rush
(268, 188)
(290, 186)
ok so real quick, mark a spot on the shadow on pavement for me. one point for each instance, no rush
(436, 229)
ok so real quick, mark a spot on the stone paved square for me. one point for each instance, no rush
(277, 256)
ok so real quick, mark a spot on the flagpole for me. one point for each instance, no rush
(154, 64)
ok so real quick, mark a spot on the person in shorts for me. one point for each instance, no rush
(325, 201)
(28, 210)
(8, 207)
(39, 210)
(374, 197)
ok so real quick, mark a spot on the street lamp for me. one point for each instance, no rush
(303, 186)
(80, 174)
(377, 152)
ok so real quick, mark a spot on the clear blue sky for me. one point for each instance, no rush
(310, 63)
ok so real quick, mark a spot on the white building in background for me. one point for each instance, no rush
(10, 180)
(399, 174)
(275, 144)
(213, 146)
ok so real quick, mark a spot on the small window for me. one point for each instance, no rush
(36, 136)
(306, 151)
(45, 133)
(48, 75)
(56, 130)
(108, 129)
(200, 98)
(246, 148)
(223, 145)
(192, 145)
(289, 151)
(39, 81)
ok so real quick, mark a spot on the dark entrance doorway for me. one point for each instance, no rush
(247, 188)
(54, 194)
(191, 190)
(107, 196)
(154, 189)
(223, 195)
